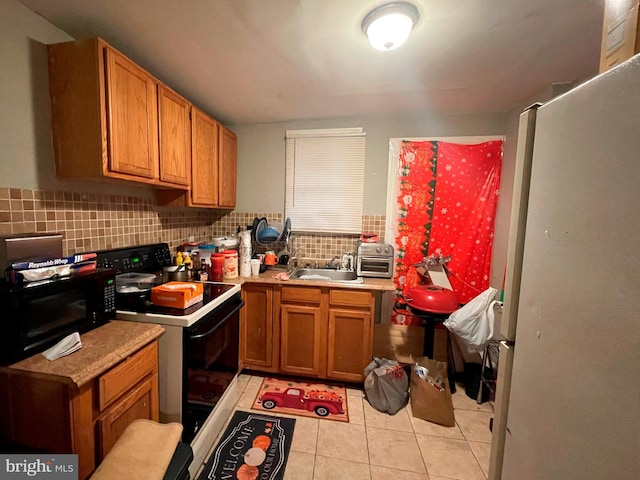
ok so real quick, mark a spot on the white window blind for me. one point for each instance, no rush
(324, 182)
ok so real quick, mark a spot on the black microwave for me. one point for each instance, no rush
(35, 316)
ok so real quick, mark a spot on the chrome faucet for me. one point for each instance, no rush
(333, 264)
(292, 264)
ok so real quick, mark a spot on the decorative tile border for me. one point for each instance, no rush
(95, 222)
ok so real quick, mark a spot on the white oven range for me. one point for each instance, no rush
(198, 354)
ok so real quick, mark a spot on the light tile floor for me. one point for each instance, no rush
(377, 446)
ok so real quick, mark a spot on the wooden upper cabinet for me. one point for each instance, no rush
(104, 111)
(132, 117)
(204, 159)
(175, 136)
(213, 166)
(228, 169)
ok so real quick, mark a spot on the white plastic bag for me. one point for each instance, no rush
(386, 385)
(473, 323)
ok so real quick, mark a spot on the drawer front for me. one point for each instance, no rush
(350, 298)
(301, 294)
(126, 374)
(141, 403)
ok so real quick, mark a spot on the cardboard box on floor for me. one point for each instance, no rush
(620, 32)
(400, 343)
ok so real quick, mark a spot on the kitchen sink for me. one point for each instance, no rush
(325, 275)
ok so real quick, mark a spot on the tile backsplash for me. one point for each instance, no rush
(308, 246)
(96, 222)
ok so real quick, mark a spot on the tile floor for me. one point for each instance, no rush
(377, 446)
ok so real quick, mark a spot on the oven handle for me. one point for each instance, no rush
(217, 325)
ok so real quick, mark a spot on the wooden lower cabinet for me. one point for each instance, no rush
(49, 413)
(303, 340)
(139, 403)
(350, 334)
(257, 331)
(318, 332)
(348, 345)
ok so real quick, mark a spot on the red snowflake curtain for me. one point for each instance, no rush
(446, 201)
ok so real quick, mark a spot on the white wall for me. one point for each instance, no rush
(25, 138)
(261, 150)
(27, 153)
(25, 114)
(261, 159)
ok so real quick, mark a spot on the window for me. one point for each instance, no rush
(324, 181)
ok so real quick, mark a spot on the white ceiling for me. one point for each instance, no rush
(250, 61)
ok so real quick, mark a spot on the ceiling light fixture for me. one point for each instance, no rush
(388, 26)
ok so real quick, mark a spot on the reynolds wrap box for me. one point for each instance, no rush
(177, 294)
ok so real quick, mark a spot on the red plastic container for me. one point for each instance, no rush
(217, 267)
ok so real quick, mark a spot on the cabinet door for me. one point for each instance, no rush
(141, 402)
(256, 327)
(349, 344)
(303, 340)
(204, 160)
(175, 137)
(228, 162)
(131, 117)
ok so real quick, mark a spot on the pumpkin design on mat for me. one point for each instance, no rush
(255, 456)
(262, 441)
(247, 472)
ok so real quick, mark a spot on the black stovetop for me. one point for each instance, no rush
(140, 302)
(151, 259)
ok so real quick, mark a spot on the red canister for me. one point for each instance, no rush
(217, 267)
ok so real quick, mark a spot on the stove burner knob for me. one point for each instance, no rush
(378, 249)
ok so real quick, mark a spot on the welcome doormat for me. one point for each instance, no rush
(253, 446)
(317, 400)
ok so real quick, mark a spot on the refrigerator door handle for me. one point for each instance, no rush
(518, 221)
(500, 429)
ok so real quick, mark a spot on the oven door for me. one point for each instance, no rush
(381, 267)
(210, 362)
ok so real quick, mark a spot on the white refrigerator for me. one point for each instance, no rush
(568, 388)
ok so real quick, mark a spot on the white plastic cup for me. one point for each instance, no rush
(255, 266)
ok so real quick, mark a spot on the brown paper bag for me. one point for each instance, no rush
(431, 401)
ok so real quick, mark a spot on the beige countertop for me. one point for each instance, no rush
(382, 284)
(102, 348)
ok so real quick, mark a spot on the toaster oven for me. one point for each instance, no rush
(374, 260)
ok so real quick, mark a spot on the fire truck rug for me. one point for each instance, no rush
(316, 400)
(254, 446)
